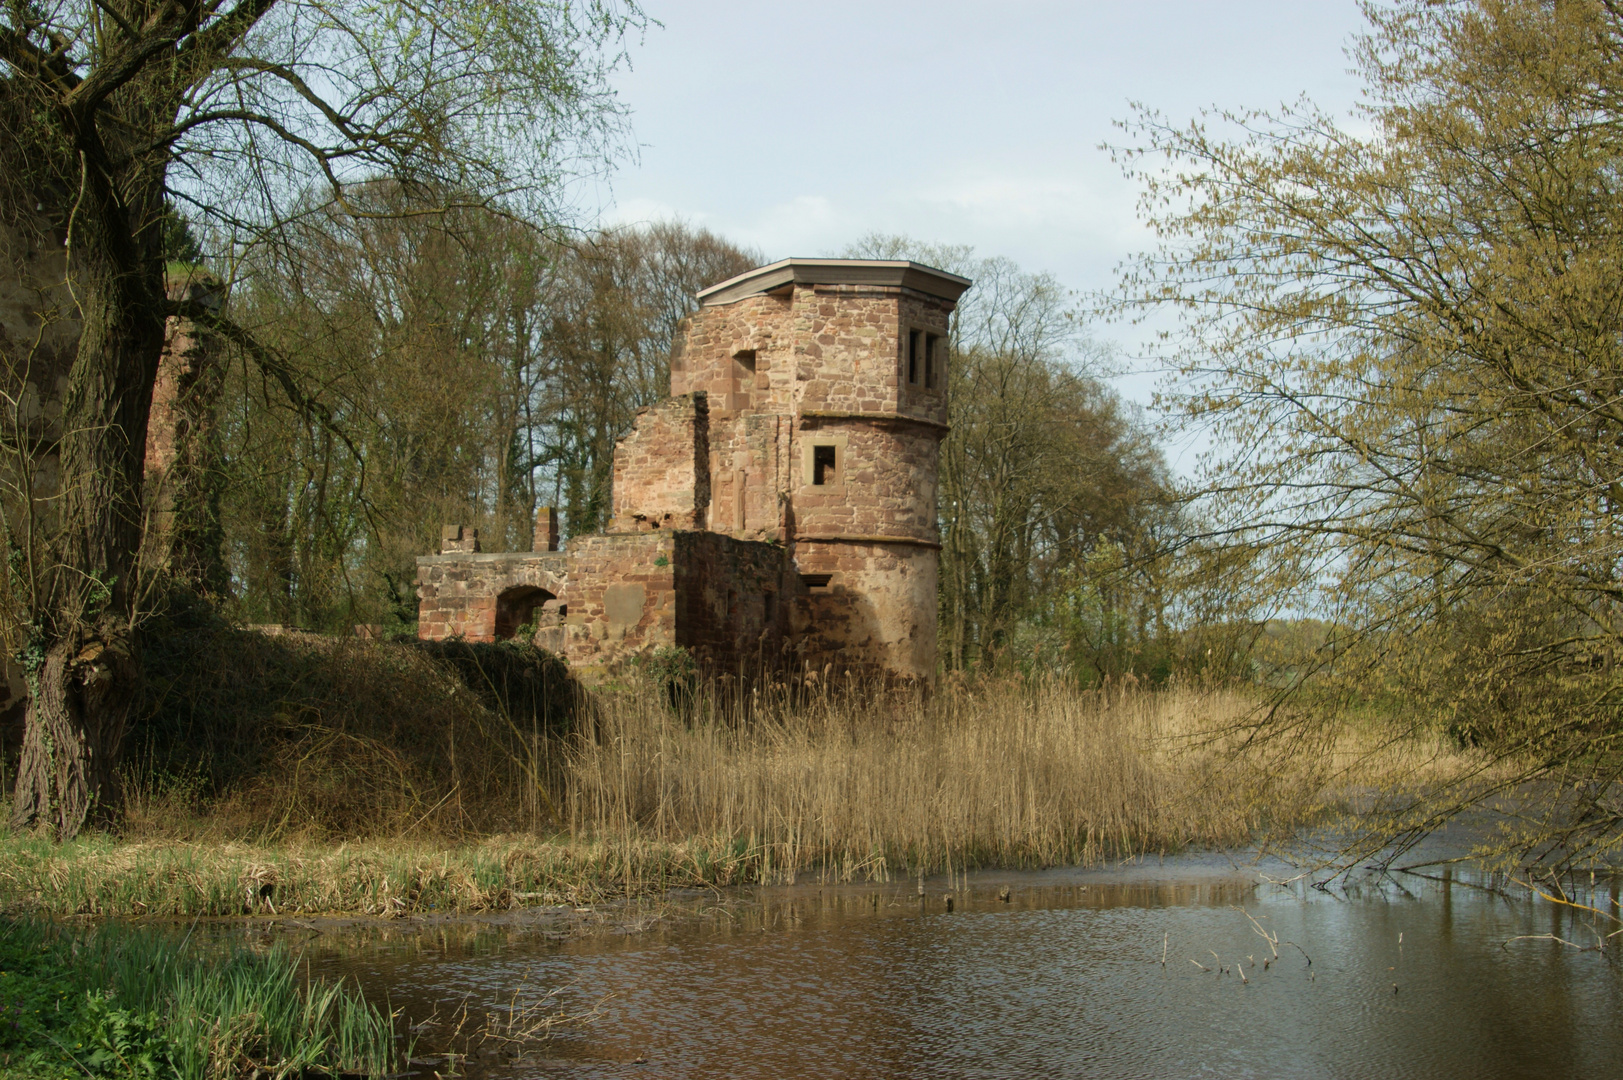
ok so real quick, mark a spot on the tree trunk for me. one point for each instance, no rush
(77, 713)
(85, 606)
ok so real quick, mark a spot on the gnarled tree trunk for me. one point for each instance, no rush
(81, 651)
(77, 713)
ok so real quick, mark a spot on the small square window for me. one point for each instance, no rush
(822, 460)
(825, 465)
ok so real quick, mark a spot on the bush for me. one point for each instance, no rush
(302, 734)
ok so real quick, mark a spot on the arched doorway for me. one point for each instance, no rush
(517, 607)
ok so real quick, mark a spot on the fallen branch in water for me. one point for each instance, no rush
(1551, 937)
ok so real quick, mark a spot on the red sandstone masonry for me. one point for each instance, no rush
(730, 597)
(662, 468)
(622, 598)
(715, 508)
(459, 593)
(876, 615)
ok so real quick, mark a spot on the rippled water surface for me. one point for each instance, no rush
(1408, 977)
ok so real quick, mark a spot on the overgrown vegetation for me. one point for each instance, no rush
(357, 809)
(1005, 773)
(1404, 337)
(244, 734)
(119, 1002)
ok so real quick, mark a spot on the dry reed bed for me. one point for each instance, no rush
(845, 783)
(1009, 774)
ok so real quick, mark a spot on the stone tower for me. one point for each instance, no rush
(826, 382)
(778, 510)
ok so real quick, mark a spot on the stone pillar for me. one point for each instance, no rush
(546, 530)
(181, 483)
(458, 538)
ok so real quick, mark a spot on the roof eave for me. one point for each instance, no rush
(892, 272)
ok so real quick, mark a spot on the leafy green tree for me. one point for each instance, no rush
(1404, 335)
(114, 112)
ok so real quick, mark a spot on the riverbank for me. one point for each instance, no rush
(111, 1000)
(100, 875)
(645, 796)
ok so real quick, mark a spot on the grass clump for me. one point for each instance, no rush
(727, 789)
(115, 1001)
(308, 774)
(103, 876)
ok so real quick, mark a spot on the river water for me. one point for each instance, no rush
(1385, 977)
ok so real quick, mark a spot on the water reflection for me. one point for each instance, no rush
(1410, 977)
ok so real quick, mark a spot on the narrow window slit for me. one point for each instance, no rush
(823, 465)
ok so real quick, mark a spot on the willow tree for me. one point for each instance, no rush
(1405, 335)
(117, 115)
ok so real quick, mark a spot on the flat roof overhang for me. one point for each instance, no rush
(896, 272)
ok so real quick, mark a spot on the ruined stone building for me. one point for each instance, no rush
(779, 509)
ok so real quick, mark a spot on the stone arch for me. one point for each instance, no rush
(517, 606)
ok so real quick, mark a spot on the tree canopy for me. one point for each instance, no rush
(1402, 331)
(118, 115)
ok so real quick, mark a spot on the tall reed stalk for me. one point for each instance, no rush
(867, 782)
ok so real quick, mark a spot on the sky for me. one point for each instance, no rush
(797, 129)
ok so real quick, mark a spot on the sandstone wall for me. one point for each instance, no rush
(885, 484)
(181, 488)
(461, 592)
(750, 476)
(622, 598)
(845, 348)
(708, 348)
(730, 602)
(929, 316)
(631, 593)
(662, 468)
(813, 348)
(876, 615)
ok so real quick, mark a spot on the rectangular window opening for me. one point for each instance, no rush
(912, 357)
(824, 465)
(932, 351)
(769, 605)
(816, 581)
